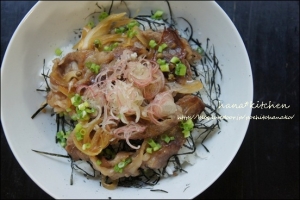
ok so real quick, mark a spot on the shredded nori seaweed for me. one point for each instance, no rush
(210, 69)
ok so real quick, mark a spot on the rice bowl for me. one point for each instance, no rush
(41, 131)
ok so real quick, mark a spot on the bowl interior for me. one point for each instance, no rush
(52, 24)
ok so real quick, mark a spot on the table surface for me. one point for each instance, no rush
(267, 164)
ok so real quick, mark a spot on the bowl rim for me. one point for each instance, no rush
(4, 65)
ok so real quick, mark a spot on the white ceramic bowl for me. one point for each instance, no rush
(49, 25)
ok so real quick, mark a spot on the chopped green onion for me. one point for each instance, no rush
(175, 60)
(180, 69)
(62, 137)
(127, 161)
(151, 143)
(97, 42)
(76, 100)
(83, 105)
(86, 104)
(78, 127)
(161, 61)
(98, 162)
(82, 131)
(187, 127)
(155, 146)
(164, 68)
(131, 33)
(86, 146)
(82, 114)
(152, 44)
(121, 165)
(128, 27)
(79, 131)
(107, 48)
(93, 67)
(149, 150)
(166, 138)
(111, 47)
(90, 110)
(58, 51)
(114, 45)
(188, 124)
(132, 24)
(157, 15)
(120, 29)
(78, 136)
(91, 25)
(201, 51)
(85, 117)
(162, 47)
(102, 16)
(117, 169)
(186, 133)
(74, 117)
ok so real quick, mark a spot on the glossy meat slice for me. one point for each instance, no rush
(159, 159)
(152, 35)
(107, 167)
(191, 105)
(153, 130)
(58, 101)
(71, 66)
(175, 46)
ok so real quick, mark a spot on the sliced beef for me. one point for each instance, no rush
(160, 158)
(191, 105)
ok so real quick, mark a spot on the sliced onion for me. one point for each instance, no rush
(109, 186)
(188, 88)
